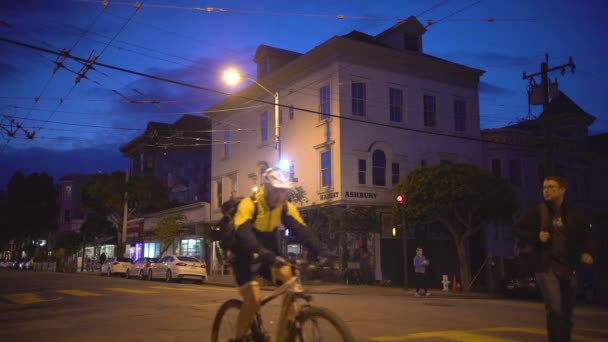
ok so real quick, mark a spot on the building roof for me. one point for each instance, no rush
(194, 126)
(563, 107)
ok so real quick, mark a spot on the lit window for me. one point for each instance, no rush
(326, 168)
(324, 102)
(68, 192)
(358, 98)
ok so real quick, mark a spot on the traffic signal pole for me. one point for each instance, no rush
(404, 242)
(402, 202)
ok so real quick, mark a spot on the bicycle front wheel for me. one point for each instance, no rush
(315, 324)
(224, 324)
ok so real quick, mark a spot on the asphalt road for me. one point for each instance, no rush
(37, 306)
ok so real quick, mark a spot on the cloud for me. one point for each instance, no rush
(104, 158)
(493, 59)
(492, 89)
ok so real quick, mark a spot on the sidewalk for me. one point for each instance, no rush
(320, 287)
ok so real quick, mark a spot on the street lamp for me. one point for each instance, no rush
(232, 77)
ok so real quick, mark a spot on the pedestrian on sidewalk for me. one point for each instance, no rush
(421, 263)
(559, 237)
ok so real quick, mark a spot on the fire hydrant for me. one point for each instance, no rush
(445, 282)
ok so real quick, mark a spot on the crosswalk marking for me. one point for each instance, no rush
(79, 293)
(171, 288)
(27, 298)
(122, 289)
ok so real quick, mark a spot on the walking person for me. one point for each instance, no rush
(559, 237)
(421, 263)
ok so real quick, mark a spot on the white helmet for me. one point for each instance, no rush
(276, 179)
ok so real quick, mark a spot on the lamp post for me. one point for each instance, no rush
(232, 77)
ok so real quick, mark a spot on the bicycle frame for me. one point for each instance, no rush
(292, 289)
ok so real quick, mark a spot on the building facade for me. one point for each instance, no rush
(71, 215)
(178, 154)
(358, 113)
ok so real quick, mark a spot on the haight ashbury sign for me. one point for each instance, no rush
(349, 195)
(357, 194)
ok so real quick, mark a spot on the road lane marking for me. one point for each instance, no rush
(452, 335)
(79, 293)
(477, 335)
(27, 298)
(536, 331)
(122, 289)
(171, 288)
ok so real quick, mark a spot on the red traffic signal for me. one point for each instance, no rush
(401, 199)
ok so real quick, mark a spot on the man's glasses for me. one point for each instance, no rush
(550, 187)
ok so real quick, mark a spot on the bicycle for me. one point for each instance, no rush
(310, 323)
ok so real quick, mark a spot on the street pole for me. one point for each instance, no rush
(125, 216)
(277, 125)
(404, 242)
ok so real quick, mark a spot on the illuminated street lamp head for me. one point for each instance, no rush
(283, 164)
(232, 77)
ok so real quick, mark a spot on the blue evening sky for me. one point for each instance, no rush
(79, 127)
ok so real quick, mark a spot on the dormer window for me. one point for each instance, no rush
(410, 42)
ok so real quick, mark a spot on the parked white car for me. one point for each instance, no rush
(142, 265)
(178, 267)
(118, 265)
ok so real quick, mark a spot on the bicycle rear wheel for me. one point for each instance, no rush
(315, 324)
(224, 324)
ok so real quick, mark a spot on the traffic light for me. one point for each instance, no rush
(394, 232)
(400, 199)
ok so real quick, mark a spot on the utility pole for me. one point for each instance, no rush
(544, 88)
(125, 216)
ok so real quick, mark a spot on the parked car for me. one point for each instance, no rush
(28, 264)
(178, 267)
(8, 263)
(142, 265)
(115, 265)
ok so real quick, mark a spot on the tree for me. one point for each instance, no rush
(167, 230)
(463, 198)
(106, 193)
(297, 195)
(67, 240)
(31, 207)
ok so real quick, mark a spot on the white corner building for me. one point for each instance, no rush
(358, 113)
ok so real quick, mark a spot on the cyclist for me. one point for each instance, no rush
(257, 241)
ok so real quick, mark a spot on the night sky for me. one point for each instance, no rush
(79, 126)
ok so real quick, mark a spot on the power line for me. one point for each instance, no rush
(207, 89)
(431, 22)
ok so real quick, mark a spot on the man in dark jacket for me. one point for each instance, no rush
(558, 235)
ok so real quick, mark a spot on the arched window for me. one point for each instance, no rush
(378, 168)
